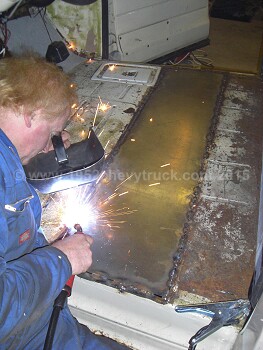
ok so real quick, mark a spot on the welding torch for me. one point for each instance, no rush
(59, 305)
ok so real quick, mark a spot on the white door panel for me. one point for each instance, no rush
(164, 10)
(161, 38)
(122, 6)
(149, 29)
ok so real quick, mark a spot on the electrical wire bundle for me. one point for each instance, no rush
(197, 58)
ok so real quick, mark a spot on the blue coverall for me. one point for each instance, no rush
(32, 273)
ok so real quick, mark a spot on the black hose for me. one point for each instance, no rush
(105, 29)
(58, 306)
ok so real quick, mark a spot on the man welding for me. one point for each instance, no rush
(35, 102)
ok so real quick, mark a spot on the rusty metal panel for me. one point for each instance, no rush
(218, 260)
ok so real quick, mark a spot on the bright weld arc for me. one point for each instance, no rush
(85, 214)
(78, 207)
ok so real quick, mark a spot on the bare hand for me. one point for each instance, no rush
(77, 249)
(65, 138)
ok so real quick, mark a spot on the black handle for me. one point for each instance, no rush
(59, 148)
(58, 306)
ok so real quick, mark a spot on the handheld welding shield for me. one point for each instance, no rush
(61, 169)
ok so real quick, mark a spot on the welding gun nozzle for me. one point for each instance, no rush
(78, 228)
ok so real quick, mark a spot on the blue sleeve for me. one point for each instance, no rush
(41, 239)
(37, 210)
(28, 284)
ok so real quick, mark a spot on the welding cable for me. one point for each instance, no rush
(59, 304)
(42, 15)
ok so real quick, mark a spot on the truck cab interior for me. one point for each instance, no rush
(172, 89)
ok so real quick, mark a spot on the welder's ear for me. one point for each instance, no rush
(28, 120)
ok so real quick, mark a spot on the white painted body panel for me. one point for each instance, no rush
(141, 323)
(149, 29)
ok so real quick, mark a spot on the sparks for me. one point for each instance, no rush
(164, 165)
(103, 106)
(106, 144)
(71, 46)
(83, 134)
(100, 177)
(155, 184)
(79, 109)
(101, 132)
(123, 182)
(95, 116)
(89, 61)
(112, 67)
(123, 193)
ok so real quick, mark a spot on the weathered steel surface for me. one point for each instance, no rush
(218, 259)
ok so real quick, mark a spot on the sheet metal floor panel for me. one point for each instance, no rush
(171, 129)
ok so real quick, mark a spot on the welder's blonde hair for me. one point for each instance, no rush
(30, 83)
